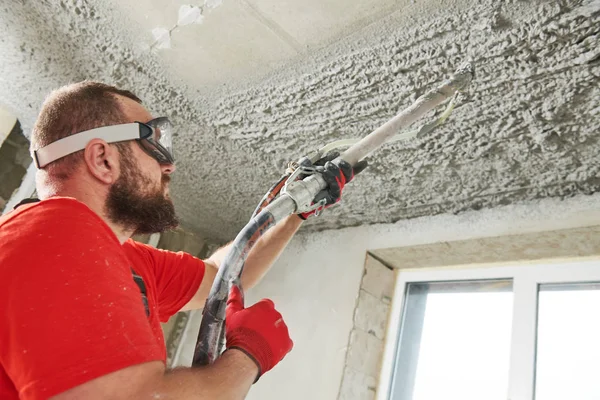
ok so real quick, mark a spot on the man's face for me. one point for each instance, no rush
(139, 199)
(137, 203)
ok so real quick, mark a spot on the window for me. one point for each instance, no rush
(568, 342)
(528, 332)
(447, 325)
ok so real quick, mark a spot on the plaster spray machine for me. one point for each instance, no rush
(294, 194)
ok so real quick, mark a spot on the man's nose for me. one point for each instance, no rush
(168, 168)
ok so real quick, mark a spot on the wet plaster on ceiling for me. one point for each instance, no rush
(528, 127)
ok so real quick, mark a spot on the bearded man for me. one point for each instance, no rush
(81, 302)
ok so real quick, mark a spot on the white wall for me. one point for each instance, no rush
(7, 123)
(316, 282)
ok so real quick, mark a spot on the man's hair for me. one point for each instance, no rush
(72, 109)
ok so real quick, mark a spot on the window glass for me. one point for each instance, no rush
(455, 341)
(568, 342)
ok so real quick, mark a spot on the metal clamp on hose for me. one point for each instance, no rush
(303, 192)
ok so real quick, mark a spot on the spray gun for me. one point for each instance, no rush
(291, 195)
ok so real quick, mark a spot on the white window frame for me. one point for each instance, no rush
(526, 280)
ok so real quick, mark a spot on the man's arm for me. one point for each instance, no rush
(229, 378)
(262, 256)
(266, 250)
(257, 339)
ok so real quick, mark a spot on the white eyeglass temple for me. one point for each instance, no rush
(78, 141)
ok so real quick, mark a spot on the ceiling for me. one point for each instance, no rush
(253, 84)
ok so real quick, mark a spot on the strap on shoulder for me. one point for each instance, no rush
(26, 201)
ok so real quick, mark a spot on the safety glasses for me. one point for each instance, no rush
(155, 137)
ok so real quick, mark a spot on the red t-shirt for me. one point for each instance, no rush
(69, 307)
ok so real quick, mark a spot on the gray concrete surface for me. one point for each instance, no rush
(262, 84)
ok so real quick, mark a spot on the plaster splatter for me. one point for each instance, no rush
(212, 3)
(162, 38)
(189, 15)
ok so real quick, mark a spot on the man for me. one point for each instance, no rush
(75, 324)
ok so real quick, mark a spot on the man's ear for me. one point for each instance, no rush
(102, 160)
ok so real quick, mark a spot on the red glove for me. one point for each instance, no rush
(258, 331)
(336, 174)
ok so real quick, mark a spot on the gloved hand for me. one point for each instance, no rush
(258, 331)
(337, 173)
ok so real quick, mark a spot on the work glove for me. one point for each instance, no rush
(258, 331)
(336, 173)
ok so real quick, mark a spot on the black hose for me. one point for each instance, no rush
(211, 334)
(270, 195)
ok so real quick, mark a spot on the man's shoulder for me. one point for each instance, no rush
(55, 234)
(54, 208)
(133, 246)
(69, 218)
(140, 253)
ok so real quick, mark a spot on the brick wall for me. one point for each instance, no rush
(366, 343)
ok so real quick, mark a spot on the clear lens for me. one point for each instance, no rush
(161, 140)
(163, 133)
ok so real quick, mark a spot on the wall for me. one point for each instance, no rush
(7, 122)
(315, 284)
(367, 339)
(14, 157)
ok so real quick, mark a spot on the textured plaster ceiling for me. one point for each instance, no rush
(260, 82)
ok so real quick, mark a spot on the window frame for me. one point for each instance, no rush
(526, 280)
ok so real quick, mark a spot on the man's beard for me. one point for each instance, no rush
(141, 213)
